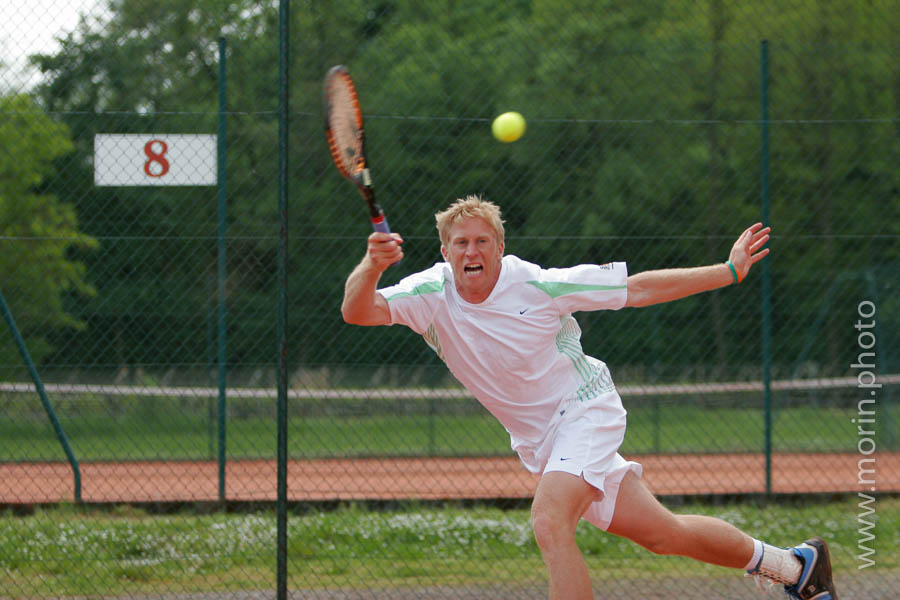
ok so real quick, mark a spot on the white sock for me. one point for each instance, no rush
(779, 565)
(756, 558)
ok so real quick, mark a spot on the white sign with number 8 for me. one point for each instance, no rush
(155, 159)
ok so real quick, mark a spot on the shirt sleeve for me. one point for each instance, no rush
(586, 287)
(412, 301)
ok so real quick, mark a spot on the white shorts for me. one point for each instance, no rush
(584, 440)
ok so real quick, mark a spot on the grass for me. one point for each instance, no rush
(168, 434)
(74, 551)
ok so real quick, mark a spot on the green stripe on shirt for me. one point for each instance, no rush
(568, 344)
(420, 290)
(555, 289)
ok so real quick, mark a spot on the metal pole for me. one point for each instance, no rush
(284, 13)
(39, 385)
(766, 269)
(222, 266)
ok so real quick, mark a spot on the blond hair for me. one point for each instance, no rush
(464, 208)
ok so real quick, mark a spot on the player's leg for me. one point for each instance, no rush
(641, 518)
(559, 501)
(804, 570)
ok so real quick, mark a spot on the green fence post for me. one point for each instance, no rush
(222, 266)
(39, 385)
(284, 14)
(766, 270)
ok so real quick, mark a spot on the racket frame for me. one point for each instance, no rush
(358, 172)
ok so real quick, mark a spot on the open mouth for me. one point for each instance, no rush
(473, 269)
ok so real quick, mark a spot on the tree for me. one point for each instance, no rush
(37, 230)
(643, 143)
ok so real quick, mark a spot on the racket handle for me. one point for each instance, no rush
(380, 224)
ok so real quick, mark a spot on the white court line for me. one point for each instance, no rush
(429, 393)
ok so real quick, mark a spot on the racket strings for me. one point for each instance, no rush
(344, 126)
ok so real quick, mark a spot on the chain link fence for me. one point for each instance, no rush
(656, 132)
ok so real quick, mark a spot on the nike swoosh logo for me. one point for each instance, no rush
(523, 311)
(566, 458)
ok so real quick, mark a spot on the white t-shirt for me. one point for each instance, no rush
(518, 352)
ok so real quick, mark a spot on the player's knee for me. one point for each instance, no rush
(549, 532)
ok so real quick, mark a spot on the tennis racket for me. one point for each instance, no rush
(347, 138)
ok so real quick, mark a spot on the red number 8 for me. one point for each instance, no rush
(154, 157)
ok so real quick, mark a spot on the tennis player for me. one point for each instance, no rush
(505, 329)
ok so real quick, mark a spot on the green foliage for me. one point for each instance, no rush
(643, 144)
(37, 230)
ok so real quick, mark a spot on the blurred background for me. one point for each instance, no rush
(656, 133)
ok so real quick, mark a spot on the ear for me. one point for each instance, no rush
(444, 251)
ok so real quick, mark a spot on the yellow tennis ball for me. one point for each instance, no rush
(508, 127)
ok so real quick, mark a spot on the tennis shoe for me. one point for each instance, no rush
(815, 578)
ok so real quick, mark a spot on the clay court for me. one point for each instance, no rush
(428, 478)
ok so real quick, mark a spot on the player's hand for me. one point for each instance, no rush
(384, 249)
(748, 249)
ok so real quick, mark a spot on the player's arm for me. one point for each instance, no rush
(665, 285)
(362, 305)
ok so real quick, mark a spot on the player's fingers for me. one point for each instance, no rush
(389, 245)
(745, 235)
(381, 242)
(386, 255)
(384, 249)
(751, 232)
(752, 239)
(762, 232)
(758, 256)
(380, 236)
(758, 243)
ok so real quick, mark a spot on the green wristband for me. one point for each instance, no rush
(733, 272)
